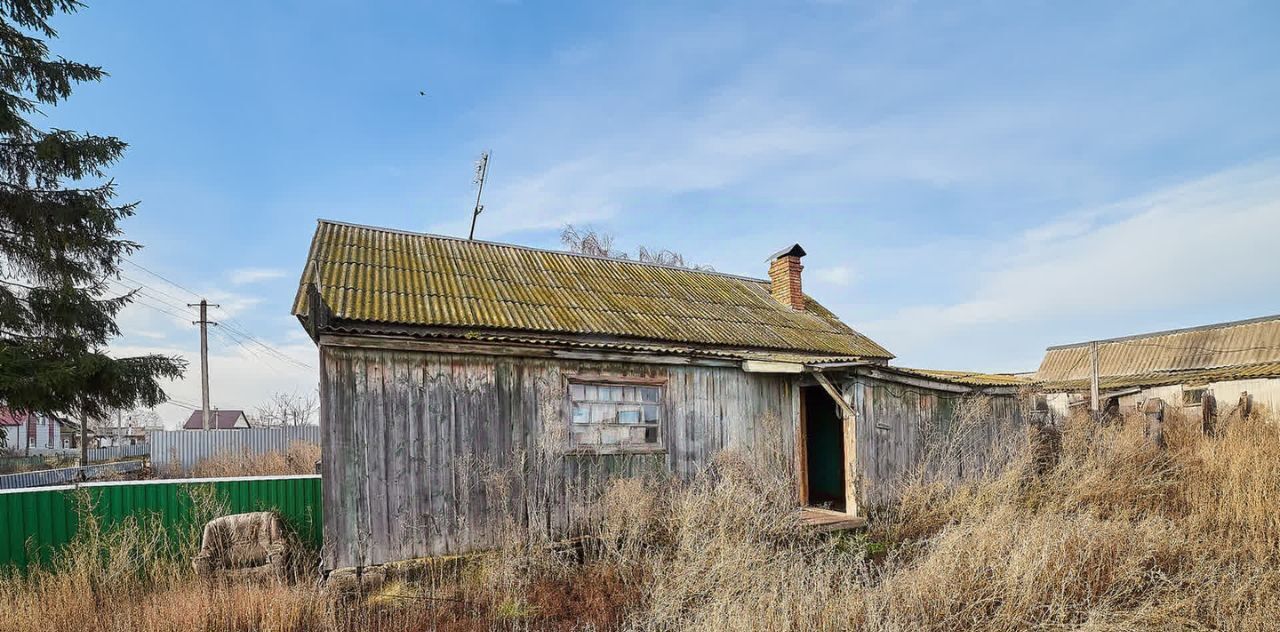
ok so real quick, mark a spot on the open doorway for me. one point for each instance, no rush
(823, 450)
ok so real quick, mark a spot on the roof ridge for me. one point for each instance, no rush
(500, 244)
(1167, 332)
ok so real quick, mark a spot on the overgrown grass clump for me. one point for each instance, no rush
(1112, 534)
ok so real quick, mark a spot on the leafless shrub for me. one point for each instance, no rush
(589, 241)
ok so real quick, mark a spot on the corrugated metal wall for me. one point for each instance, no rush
(60, 476)
(180, 450)
(98, 455)
(34, 524)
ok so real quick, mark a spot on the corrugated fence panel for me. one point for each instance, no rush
(181, 449)
(34, 523)
(98, 455)
(62, 476)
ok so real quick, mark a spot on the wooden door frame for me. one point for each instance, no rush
(802, 447)
(849, 432)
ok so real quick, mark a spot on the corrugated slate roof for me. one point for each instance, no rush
(1233, 344)
(970, 378)
(377, 275)
(1194, 377)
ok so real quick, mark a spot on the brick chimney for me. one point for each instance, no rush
(784, 277)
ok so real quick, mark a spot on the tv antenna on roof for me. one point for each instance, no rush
(482, 169)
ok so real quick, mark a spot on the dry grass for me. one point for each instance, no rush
(16, 464)
(1116, 535)
(299, 458)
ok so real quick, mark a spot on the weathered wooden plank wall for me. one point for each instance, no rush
(907, 431)
(430, 453)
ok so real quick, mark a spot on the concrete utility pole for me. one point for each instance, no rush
(204, 357)
(1093, 379)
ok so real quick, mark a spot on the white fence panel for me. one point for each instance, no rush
(182, 449)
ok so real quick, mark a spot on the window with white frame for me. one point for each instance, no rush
(615, 416)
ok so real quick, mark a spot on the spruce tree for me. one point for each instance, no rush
(60, 240)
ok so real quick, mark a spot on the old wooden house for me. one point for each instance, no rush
(467, 386)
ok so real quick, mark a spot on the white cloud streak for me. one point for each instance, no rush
(840, 276)
(244, 276)
(1198, 242)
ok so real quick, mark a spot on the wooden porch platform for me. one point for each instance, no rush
(828, 520)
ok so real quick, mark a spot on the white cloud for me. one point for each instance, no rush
(239, 378)
(1199, 242)
(835, 275)
(243, 276)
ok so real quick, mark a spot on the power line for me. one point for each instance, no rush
(234, 326)
(157, 290)
(276, 353)
(163, 278)
(230, 334)
(151, 306)
(267, 359)
(180, 404)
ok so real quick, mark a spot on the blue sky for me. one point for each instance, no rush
(972, 181)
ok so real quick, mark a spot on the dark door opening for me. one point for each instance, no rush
(824, 449)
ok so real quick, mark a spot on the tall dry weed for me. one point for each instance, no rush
(1111, 534)
(298, 458)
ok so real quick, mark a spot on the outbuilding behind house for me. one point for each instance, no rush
(1237, 363)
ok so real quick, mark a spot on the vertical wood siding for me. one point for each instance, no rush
(908, 431)
(429, 453)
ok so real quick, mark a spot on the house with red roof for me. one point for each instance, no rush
(13, 431)
(218, 420)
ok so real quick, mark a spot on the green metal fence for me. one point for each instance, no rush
(34, 523)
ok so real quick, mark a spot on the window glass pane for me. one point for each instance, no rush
(1192, 397)
(615, 415)
(602, 413)
(612, 435)
(637, 435)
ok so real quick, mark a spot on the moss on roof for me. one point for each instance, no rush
(970, 378)
(1190, 377)
(376, 275)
